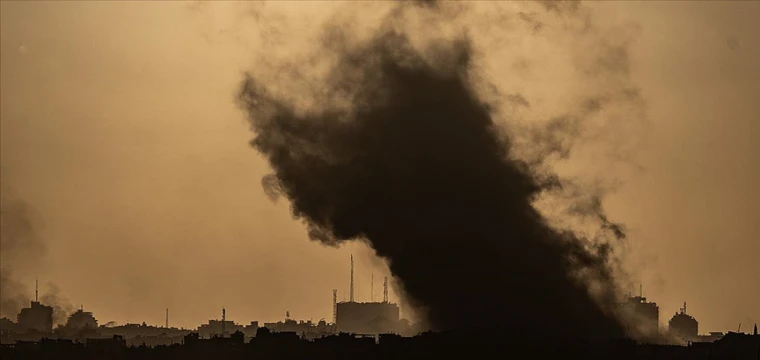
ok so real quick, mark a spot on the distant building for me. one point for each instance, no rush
(367, 318)
(7, 325)
(130, 331)
(684, 326)
(305, 329)
(711, 337)
(81, 320)
(37, 317)
(219, 328)
(645, 315)
(195, 340)
(250, 329)
(139, 334)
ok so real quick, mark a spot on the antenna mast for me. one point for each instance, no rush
(224, 320)
(385, 290)
(351, 293)
(335, 306)
(372, 289)
(36, 290)
(167, 318)
(641, 291)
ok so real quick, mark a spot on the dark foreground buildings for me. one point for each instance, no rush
(468, 344)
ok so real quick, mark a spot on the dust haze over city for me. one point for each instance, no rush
(514, 162)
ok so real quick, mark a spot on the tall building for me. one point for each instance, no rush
(684, 325)
(365, 317)
(37, 317)
(645, 315)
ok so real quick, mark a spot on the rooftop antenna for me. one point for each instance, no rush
(385, 290)
(36, 290)
(372, 289)
(755, 332)
(335, 305)
(351, 291)
(224, 319)
(167, 318)
(287, 315)
(641, 291)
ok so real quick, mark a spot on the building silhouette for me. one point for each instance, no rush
(712, 336)
(646, 314)
(476, 343)
(305, 329)
(81, 319)
(36, 317)
(218, 328)
(683, 325)
(367, 317)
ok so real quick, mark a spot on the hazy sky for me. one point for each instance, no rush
(120, 131)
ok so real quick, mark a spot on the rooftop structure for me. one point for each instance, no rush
(365, 317)
(684, 325)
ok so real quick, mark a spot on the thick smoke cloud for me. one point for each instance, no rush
(404, 144)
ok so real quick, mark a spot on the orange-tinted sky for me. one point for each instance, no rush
(120, 131)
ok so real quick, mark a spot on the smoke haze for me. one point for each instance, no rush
(120, 132)
(401, 134)
(19, 246)
(22, 249)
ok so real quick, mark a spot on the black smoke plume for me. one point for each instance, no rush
(395, 147)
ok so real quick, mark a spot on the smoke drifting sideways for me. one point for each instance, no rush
(397, 147)
(22, 250)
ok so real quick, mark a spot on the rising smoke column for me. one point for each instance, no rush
(396, 147)
(19, 245)
(22, 251)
